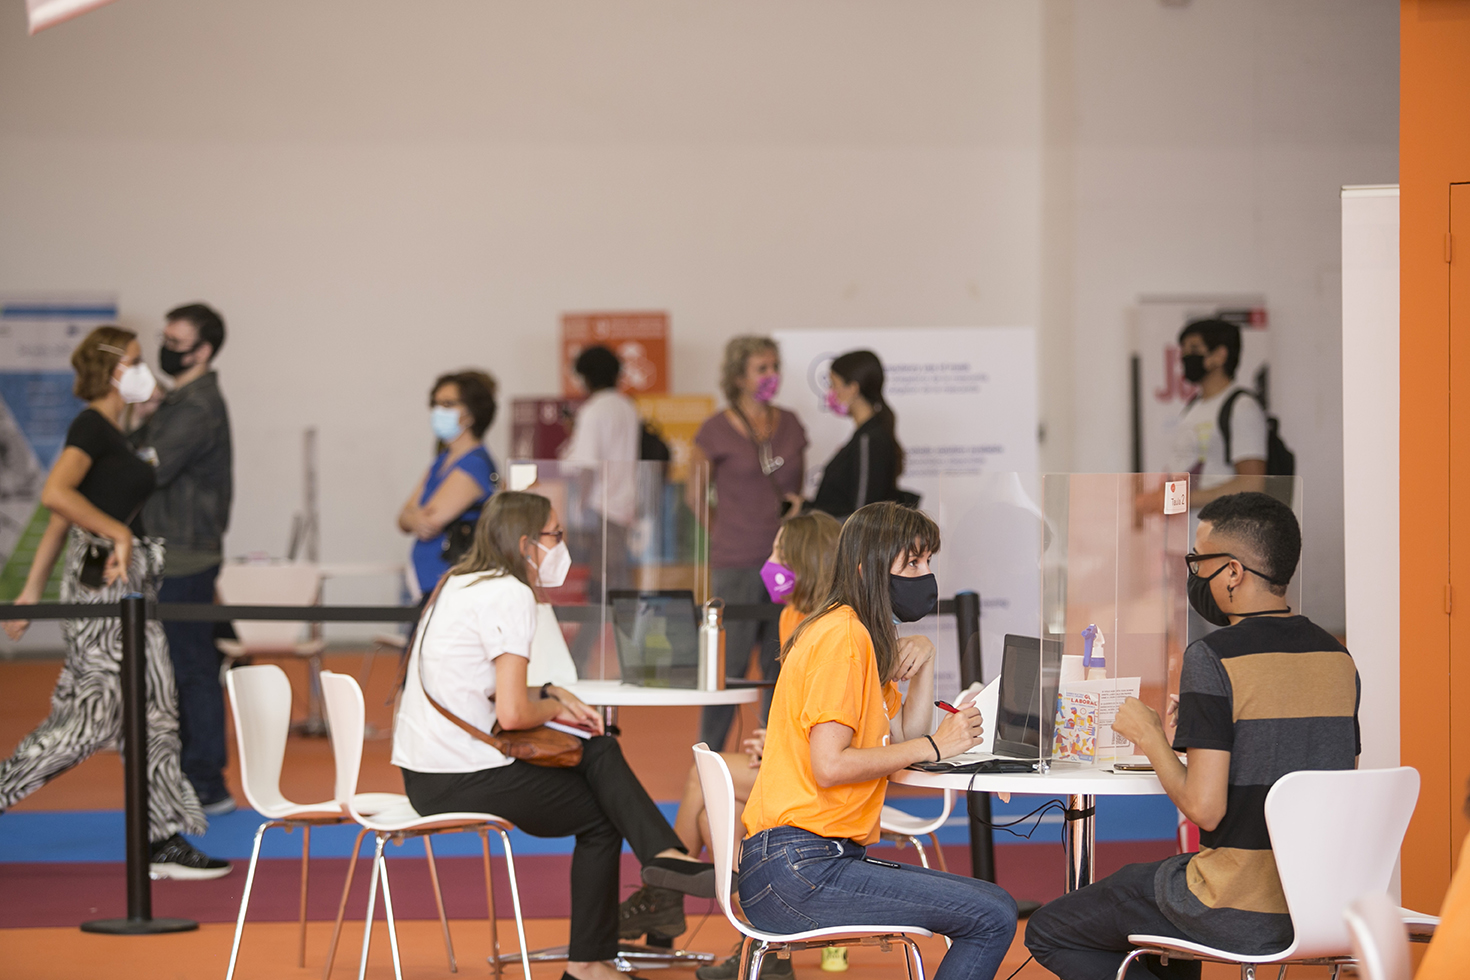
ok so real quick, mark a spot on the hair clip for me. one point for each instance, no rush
(112, 350)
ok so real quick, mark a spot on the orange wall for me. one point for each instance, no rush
(1434, 151)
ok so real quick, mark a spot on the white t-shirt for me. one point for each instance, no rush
(475, 620)
(1199, 447)
(607, 429)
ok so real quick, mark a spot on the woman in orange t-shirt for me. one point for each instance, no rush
(837, 730)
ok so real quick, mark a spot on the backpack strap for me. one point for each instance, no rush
(1222, 422)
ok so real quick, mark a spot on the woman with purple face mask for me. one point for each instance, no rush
(757, 458)
(866, 470)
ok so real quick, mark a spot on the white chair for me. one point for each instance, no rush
(1336, 836)
(346, 720)
(902, 828)
(1380, 941)
(276, 584)
(719, 806)
(260, 700)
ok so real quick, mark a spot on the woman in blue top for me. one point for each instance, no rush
(462, 477)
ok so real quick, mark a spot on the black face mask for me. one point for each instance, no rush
(913, 598)
(1194, 367)
(171, 362)
(1202, 600)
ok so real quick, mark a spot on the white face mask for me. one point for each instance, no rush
(554, 565)
(137, 384)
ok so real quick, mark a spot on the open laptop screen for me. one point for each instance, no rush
(1026, 702)
(657, 635)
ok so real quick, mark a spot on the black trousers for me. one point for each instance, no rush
(1084, 935)
(599, 801)
(196, 663)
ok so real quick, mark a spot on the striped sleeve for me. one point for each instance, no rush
(1206, 715)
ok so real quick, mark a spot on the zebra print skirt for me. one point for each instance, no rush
(86, 706)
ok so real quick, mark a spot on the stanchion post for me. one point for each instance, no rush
(134, 678)
(972, 671)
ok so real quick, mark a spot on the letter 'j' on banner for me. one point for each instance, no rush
(45, 13)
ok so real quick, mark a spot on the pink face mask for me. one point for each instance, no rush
(766, 388)
(833, 405)
(779, 580)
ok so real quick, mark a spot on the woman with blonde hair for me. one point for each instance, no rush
(467, 673)
(757, 457)
(95, 492)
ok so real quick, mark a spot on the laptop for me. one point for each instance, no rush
(1025, 716)
(657, 636)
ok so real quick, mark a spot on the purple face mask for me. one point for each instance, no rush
(779, 580)
(833, 405)
(766, 388)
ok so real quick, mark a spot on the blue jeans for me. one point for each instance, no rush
(791, 880)
(196, 663)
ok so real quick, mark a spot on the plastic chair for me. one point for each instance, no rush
(346, 720)
(719, 805)
(902, 828)
(276, 584)
(1380, 941)
(260, 700)
(1336, 836)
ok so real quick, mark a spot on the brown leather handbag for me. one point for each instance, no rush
(539, 746)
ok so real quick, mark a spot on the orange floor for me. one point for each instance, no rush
(654, 739)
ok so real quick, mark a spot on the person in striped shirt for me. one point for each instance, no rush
(1268, 694)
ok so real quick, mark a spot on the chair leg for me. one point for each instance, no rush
(1247, 971)
(305, 854)
(757, 957)
(388, 913)
(917, 970)
(439, 901)
(939, 853)
(1127, 962)
(919, 846)
(747, 952)
(495, 966)
(245, 898)
(367, 921)
(342, 906)
(515, 901)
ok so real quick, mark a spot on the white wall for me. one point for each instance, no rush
(1208, 144)
(1370, 419)
(374, 191)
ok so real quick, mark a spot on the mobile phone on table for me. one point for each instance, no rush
(1133, 767)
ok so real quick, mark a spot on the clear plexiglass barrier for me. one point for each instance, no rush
(1084, 598)
(629, 608)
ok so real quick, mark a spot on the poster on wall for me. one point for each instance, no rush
(965, 401)
(676, 419)
(1162, 392)
(37, 336)
(641, 341)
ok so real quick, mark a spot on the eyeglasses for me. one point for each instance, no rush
(1192, 560)
(559, 534)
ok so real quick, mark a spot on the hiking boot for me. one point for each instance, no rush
(656, 911)
(773, 967)
(177, 858)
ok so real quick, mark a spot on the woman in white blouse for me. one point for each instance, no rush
(471, 657)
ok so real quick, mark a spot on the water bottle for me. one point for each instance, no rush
(712, 646)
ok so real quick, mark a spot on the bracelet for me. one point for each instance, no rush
(546, 690)
(936, 748)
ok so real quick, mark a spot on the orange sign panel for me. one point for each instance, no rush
(641, 341)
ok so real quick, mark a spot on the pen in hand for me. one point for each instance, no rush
(947, 707)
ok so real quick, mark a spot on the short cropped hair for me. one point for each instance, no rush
(599, 368)
(1216, 333)
(96, 357)
(210, 324)
(737, 353)
(476, 391)
(1266, 526)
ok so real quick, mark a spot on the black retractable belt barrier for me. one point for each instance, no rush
(972, 671)
(140, 920)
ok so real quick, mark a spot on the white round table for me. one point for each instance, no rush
(1080, 786)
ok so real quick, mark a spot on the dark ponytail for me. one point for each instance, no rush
(864, 368)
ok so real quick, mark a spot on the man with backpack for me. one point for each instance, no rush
(1224, 437)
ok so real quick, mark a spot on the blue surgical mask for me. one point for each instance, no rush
(445, 423)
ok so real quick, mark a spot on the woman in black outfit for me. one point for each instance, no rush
(866, 470)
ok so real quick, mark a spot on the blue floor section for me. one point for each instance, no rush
(97, 835)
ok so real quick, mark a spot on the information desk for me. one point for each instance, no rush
(1078, 786)
(609, 696)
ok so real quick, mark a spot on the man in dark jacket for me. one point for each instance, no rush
(188, 440)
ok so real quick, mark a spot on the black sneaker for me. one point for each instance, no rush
(690, 877)
(773, 967)
(177, 858)
(659, 912)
